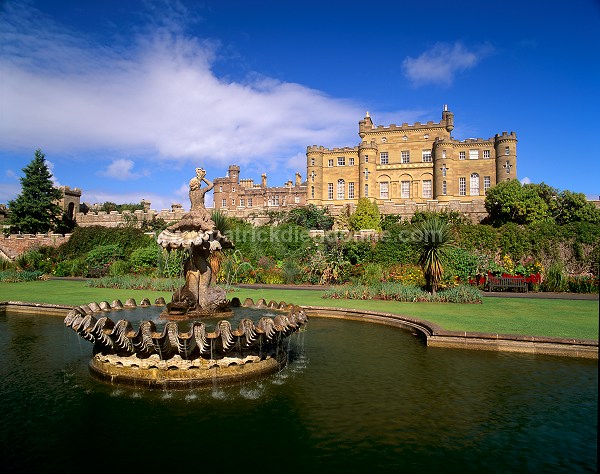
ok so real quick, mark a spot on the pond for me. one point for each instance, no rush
(355, 397)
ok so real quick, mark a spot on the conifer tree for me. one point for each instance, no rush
(35, 210)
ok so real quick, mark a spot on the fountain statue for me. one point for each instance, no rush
(171, 357)
(197, 233)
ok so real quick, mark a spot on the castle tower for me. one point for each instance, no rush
(367, 160)
(314, 177)
(442, 168)
(448, 118)
(234, 173)
(506, 156)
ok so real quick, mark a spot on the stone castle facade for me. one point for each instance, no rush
(243, 198)
(417, 165)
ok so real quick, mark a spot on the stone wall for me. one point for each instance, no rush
(118, 219)
(13, 245)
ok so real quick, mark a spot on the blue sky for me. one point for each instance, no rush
(126, 97)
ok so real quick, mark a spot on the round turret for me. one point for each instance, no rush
(506, 156)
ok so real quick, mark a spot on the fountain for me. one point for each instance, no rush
(172, 357)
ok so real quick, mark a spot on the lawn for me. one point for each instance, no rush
(539, 317)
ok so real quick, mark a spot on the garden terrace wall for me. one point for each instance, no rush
(13, 245)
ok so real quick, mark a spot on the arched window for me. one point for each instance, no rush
(341, 189)
(474, 184)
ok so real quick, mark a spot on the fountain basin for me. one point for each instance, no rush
(175, 357)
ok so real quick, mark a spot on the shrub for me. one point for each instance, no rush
(406, 274)
(582, 284)
(103, 255)
(118, 268)
(14, 276)
(72, 267)
(405, 293)
(145, 259)
(290, 270)
(555, 278)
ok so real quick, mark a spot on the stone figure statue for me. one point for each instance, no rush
(197, 232)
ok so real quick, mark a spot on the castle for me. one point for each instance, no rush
(243, 198)
(418, 163)
(405, 169)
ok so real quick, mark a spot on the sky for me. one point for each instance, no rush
(126, 98)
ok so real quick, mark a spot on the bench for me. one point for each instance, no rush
(506, 282)
(97, 272)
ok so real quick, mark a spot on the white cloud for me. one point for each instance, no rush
(442, 62)
(122, 170)
(526, 180)
(159, 97)
(50, 166)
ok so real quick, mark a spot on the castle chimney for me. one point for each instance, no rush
(264, 180)
(298, 179)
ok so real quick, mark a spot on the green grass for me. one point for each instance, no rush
(530, 316)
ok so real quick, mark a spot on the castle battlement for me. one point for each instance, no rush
(406, 127)
(320, 149)
(117, 219)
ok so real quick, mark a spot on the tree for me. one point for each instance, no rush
(366, 216)
(35, 210)
(510, 201)
(432, 238)
(310, 217)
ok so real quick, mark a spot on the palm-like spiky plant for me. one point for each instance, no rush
(432, 237)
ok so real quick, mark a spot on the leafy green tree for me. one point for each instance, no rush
(432, 238)
(366, 215)
(310, 217)
(35, 209)
(574, 207)
(510, 201)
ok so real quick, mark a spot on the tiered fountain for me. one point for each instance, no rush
(197, 356)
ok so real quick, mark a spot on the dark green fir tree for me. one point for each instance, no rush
(35, 210)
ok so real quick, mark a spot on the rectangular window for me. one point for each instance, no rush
(405, 189)
(427, 188)
(384, 190)
(444, 188)
(242, 202)
(341, 161)
(383, 158)
(351, 161)
(462, 155)
(443, 153)
(444, 170)
(405, 157)
(296, 199)
(487, 183)
(462, 186)
(426, 156)
(507, 150)
(224, 203)
(473, 154)
(220, 189)
(330, 162)
(233, 202)
(350, 190)
(486, 154)
(329, 190)
(276, 200)
(249, 202)
(366, 190)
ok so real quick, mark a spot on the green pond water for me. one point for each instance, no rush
(355, 397)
